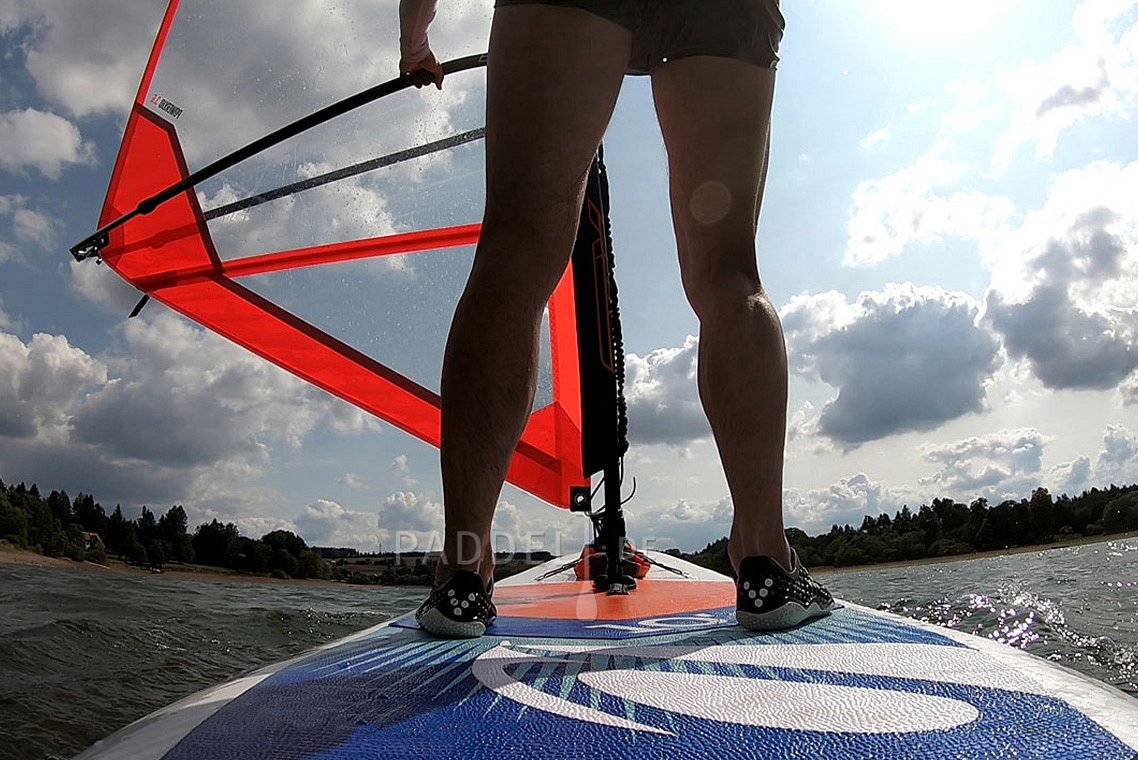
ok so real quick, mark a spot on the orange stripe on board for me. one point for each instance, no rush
(578, 601)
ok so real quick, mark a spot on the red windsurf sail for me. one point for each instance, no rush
(339, 254)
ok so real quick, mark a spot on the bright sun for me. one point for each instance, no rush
(936, 22)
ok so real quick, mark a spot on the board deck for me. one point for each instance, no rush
(662, 672)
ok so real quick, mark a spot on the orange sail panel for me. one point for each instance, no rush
(175, 255)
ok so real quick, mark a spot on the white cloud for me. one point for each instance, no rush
(11, 14)
(663, 397)
(401, 468)
(413, 513)
(326, 523)
(843, 503)
(1064, 293)
(87, 57)
(1033, 103)
(902, 359)
(1115, 463)
(1119, 456)
(39, 384)
(41, 140)
(194, 399)
(877, 138)
(686, 523)
(353, 481)
(175, 415)
(1005, 463)
(1071, 477)
(912, 206)
(102, 286)
(1097, 76)
(29, 227)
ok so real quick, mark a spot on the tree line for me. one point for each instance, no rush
(58, 526)
(946, 528)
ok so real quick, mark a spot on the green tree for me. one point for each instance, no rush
(60, 506)
(158, 553)
(1121, 514)
(90, 515)
(172, 528)
(44, 529)
(119, 529)
(147, 527)
(13, 521)
(253, 556)
(214, 543)
(311, 565)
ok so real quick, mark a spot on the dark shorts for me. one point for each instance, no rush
(746, 30)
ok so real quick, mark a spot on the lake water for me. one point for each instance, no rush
(84, 653)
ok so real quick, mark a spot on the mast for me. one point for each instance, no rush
(604, 436)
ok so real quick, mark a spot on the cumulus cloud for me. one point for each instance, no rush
(902, 359)
(913, 205)
(1119, 455)
(842, 503)
(39, 384)
(42, 141)
(27, 227)
(1097, 76)
(401, 468)
(86, 58)
(102, 286)
(1064, 296)
(193, 398)
(1004, 462)
(1116, 462)
(1071, 477)
(663, 397)
(1033, 103)
(412, 512)
(353, 481)
(173, 415)
(326, 523)
(877, 138)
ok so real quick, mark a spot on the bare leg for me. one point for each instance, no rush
(554, 75)
(715, 116)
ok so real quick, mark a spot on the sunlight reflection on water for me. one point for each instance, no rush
(1076, 605)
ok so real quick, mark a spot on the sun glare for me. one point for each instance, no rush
(930, 23)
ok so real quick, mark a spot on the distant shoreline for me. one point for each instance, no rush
(1074, 541)
(11, 555)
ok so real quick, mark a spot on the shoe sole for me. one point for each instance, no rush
(439, 624)
(788, 615)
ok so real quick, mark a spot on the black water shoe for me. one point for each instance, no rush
(768, 598)
(458, 609)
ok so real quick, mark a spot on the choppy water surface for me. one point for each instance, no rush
(1077, 606)
(84, 653)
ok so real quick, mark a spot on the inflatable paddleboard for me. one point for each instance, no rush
(663, 672)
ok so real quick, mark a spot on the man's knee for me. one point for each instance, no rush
(712, 290)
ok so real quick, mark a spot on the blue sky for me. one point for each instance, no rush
(950, 232)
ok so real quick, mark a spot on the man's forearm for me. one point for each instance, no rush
(414, 18)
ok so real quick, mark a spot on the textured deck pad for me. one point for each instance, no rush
(854, 684)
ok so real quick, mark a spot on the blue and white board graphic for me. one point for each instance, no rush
(647, 676)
